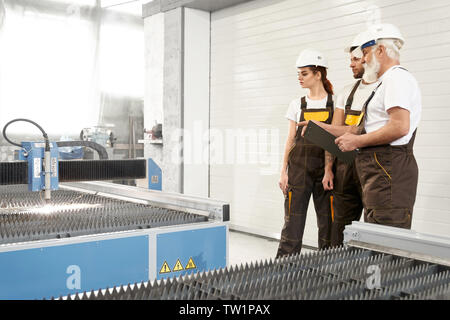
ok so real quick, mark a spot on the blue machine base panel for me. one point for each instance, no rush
(190, 251)
(61, 267)
(66, 269)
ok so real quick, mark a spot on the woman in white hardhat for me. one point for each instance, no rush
(303, 162)
(385, 163)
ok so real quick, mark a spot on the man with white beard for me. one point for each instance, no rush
(385, 162)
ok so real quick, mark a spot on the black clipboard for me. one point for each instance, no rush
(325, 140)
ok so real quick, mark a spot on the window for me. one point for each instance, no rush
(58, 57)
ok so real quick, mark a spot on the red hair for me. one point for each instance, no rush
(326, 83)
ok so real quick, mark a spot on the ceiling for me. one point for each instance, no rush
(157, 6)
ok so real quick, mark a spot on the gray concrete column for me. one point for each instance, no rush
(177, 95)
(164, 93)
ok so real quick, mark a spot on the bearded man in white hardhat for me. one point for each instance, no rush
(385, 161)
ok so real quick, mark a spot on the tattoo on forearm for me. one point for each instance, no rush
(329, 158)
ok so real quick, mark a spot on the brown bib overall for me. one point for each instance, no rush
(389, 177)
(347, 195)
(306, 163)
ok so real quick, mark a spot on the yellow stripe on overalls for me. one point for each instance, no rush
(318, 116)
(290, 198)
(332, 210)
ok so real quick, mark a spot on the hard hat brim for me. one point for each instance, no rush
(313, 65)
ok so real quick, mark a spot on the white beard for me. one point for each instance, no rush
(371, 70)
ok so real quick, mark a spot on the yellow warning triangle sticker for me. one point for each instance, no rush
(165, 268)
(178, 266)
(190, 264)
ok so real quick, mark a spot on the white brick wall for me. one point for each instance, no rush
(196, 100)
(253, 51)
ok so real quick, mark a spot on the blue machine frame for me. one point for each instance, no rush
(154, 175)
(60, 267)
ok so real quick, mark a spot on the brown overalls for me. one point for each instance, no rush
(306, 163)
(347, 195)
(389, 177)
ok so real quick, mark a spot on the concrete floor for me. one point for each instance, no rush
(244, 247)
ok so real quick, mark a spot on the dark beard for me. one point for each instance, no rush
(359, 75)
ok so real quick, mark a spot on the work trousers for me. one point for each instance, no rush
(347, 200)
(306, 170)
(389, 177)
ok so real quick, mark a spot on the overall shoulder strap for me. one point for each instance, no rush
(349, 103)
(364, 110)
(303, 103)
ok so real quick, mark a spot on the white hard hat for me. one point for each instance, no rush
(359, 40)
(311, 57)
(382, 31)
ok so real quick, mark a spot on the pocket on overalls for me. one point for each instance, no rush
(321, 116)
(353, 120)
(287, 203)
(341, 177)
(385, 167)
(297, 166)
(374, 170)
(399, 218)
(315, 162)
(294, 202)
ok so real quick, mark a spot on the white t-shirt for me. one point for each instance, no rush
(294, 110)
(399, 88)
(361, 95)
